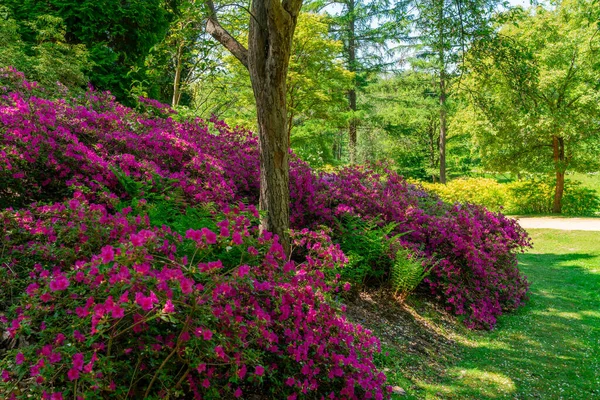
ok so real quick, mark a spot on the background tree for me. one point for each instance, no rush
(367, 29)
(270, 32)
(50, 59)
(442, 31)
(535, 93)
(186, 55)
(404, 108)
(117, 33)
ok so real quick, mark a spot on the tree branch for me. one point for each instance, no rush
(214, 28)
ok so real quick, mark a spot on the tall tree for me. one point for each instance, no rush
(117, 33)
(270, 32)
(184, 57)
(535, 90)
(366, 28)
(404, 106)
(443, 29)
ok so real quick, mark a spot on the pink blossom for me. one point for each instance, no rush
(108, 254)
(169, 307)
(59, 283)
(146, 302)
(73, 374)
(259, 370)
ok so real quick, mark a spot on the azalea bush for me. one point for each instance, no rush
(100, 304)
(472, 251)
(110, 154)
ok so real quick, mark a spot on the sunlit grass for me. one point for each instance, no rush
(549, 349)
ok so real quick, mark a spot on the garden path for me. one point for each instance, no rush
(561, 223)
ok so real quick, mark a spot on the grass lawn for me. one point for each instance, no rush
(549, 349)
(591, 181)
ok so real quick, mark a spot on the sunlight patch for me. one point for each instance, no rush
(490, 383)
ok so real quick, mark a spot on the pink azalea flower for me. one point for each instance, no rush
(78, 361)
(169, 307)
(108, 254)
(59, 283)
(211, 237)
(73, 374)
(259, 370)
(146, 302)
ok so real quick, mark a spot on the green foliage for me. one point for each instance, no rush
(375, 255)
(367, 245)
(533, 90)
(49, 59)
(580, 201)
(117, 34)
(533, 196)
(527, 196)
(407, 272)
(483, 191)
(404, 115)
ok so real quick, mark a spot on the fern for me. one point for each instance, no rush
(407, 272)
(367, 244)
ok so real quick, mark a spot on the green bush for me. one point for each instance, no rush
(483, 191)
(579, 200)
(530, 196)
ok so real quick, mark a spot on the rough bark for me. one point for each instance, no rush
(443, 127)
(558, 147)
(272, 26)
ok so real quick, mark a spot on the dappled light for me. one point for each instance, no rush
(299, 199)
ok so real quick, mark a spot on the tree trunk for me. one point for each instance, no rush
(272, 25)
(352, 136)
(442, 129)
(177, 80)
(558, 146)
(269, 48)
(352, 129)
(443, 126)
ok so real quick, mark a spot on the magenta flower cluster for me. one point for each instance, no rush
(51, 147)
(122, 308)
(102, 303)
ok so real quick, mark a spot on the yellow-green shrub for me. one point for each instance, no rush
(484, 191)
(531, 196)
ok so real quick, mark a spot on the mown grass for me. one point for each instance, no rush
(590, 181)
(549, 349)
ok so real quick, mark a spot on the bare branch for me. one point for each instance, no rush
(214, 28)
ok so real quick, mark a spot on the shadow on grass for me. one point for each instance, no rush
(548, 349)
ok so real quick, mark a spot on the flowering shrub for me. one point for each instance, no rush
(104, 304)
(472, 251)
(528, 196)
(483, 191)
(50, 147)
(89, 145)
